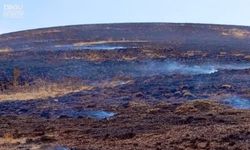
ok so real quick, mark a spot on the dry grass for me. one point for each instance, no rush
(238, 33)
(129, 58)
(46, 31)
(198, 106)
(247, 57)
(106, 42)
(43, 92)
(44, 89)
(5, 50)
(8, 138)
(102, 42)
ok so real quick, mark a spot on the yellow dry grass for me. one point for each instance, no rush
(199, 105)
(247, 57)
(49, 91)
(5, 50)
(106, 42)
(102, 42)
(9, 139)
(238, 33)
(45, 31)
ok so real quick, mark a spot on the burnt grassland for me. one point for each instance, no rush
(126, 86)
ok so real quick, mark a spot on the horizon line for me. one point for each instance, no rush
(114, 23)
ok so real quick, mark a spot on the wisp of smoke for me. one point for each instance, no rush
(238, 102)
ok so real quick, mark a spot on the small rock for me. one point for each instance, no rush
(63, 116)
(139, 94)
(48, 139)
(177, 93)
(202, 145)
(226, 86)
(29, 141)
(23, 110)
(188, 94)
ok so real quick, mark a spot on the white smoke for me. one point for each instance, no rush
(172, 67)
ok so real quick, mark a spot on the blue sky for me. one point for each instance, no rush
(47, 13)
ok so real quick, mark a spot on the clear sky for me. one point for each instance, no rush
(28, 14)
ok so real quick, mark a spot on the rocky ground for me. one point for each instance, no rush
(137, 125)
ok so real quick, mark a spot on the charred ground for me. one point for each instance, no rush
(126, 86)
